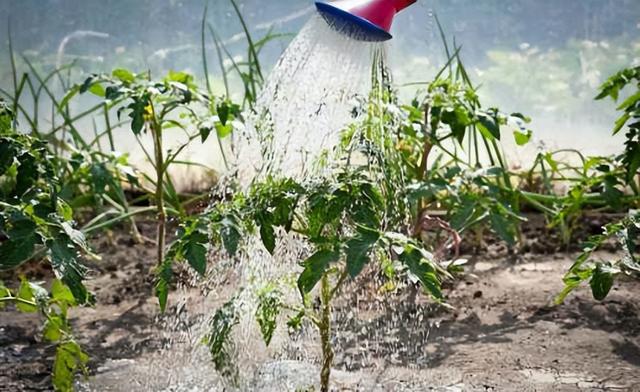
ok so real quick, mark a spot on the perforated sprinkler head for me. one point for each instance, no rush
(364, 20)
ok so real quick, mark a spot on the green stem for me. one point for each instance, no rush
(109, 130)
(159, 191)
(325, 334)
(16, 299)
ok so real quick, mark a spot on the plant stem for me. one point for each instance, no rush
(325, 334)
(19, 300)
(159, 192)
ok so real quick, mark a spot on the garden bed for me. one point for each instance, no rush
(502, 334)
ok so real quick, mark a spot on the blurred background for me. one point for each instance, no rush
(544, 58)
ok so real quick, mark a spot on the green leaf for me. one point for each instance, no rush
(196, 253)
(230, 234)
(570, 284)
(224, 130)
(53, 328)
(295, 322)
(358, 249)
(25, 292)
(138, 111)
(70, 94)
(164, 274)
(314, 268)
(15, 252)
(4, 293)
(488, 126)
(64, 210)
(268, 236)
(111, 93)
(223, 112)
(84, 87)
(179, 77)
(601, 282)
(61, 294)
(100, 177)
(125, 76)
(522, 117)
(98, 90)
(458, 119)
(422, 268)
(218, 340)
(630, 102)
(503, 227)
(204, 133)
(20, 244)
(65, 262)
(463, 214)
(267, 313)
(69, 360)
(620, 122)
(522, 138)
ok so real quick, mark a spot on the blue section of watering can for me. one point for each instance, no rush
(357, 27)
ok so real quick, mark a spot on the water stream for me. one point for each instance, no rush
(307, 100)
(312, 94)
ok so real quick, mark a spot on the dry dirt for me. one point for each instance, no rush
(501, 335)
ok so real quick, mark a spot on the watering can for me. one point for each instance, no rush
(364, 20)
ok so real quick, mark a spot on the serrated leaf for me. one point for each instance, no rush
(267, 313)
(358, 249)
(196, 253)
(69, 360)
(74, 235)
(314, 268)
(218, 340)
(419, 266)
(15, 252)
(65, 261)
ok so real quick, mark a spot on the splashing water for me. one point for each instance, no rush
(310, 96)
(317, 89)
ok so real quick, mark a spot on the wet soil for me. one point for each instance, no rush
(501, 334)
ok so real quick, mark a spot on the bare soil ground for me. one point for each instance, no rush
(501, 335)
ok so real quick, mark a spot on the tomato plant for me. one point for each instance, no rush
(599, 273)
(35, 223)
(155, 107)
